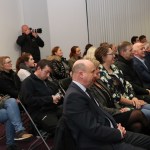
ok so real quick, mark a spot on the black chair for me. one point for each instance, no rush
(64, 84)
(63, 139)
(43, 135)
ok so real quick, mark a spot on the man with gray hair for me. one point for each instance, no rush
(91, 126)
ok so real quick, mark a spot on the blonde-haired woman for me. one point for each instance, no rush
(9, 112)
(90, 53)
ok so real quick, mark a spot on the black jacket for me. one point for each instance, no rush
(105, 100)
(131, 75)
(9, 83)
(63, 138)
(30, 44)
(37, 94)
(88, 122)
(58, 70)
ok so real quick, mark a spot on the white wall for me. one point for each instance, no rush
(36, 16)
(63, 23)
(67, 23)
(10, 14)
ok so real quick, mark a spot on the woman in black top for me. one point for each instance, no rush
(59, 65)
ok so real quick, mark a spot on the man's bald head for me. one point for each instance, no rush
(25, 29)
(83, 71)
(139, 50)
(81, 65)
(136, 46)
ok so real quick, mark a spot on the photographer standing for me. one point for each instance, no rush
(30, 42)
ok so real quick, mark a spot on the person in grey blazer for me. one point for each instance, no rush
(91, 126)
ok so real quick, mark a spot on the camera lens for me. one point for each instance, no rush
(39, 30)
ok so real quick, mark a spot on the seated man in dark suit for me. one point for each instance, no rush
(125, 63)
(39, 95)
(143, 39)
(141, 66)
(91, 126)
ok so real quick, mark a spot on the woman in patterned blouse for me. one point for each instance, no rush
(122, 91)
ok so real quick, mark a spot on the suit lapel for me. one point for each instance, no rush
(94, 107)
(140, 63)
(77, 87)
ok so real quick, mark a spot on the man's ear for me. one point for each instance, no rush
(38, 68)
(81, 74)
(122, 53)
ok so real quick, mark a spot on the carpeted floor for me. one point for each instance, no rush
(24, 145)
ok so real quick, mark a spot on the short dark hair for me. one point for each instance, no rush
(133, 39)
(100, 53)
(122, 46)
(142, 37)
(42, 63)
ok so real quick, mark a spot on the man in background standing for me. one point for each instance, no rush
(30, 42)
